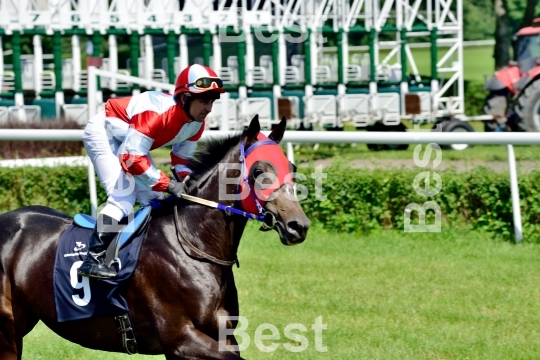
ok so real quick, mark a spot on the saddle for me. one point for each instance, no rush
(129, 230)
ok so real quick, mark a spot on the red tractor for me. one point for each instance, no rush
(514, 98)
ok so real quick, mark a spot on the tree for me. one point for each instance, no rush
(474, 29)
(502, 34)
(528, 16)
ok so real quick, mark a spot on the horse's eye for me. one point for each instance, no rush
(263, 175)
(262, 180)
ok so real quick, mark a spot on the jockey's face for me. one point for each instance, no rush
(200, 108)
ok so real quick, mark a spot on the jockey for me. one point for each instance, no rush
(118, 141)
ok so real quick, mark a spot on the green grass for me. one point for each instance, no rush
(477, 62)
(390, 295)
(43, 344)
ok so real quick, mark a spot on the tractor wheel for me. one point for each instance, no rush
(456, 126)
(496, 104)
(379, 126)
(527, 107)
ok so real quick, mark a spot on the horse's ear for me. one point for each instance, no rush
(253, 129)
(277, 133)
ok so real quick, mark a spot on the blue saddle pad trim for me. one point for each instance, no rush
(85, 221)
(88, 222)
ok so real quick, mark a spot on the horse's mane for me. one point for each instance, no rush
(206, 158)
(210, 154)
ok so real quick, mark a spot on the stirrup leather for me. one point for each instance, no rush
(128, 335)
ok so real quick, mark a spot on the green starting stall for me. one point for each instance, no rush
(319, 63)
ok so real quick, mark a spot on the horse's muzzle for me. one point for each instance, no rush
(295, 230)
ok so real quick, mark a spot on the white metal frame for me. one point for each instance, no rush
(24, 113)
(135, 15)
(75, 112)
(4, 115)
(355, 108)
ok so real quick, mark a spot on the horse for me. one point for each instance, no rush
(175, 295)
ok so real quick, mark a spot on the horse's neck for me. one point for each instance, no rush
(215, 232)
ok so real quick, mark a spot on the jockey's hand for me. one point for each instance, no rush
(176, 188)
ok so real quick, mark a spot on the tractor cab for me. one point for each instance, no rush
(527, 47)
(514, 91)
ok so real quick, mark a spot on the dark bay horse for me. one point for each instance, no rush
(174, 296)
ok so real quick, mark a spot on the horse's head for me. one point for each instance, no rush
(268, 183)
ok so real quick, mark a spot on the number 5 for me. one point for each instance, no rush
(76, 284)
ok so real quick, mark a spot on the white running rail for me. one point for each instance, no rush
(441, 138)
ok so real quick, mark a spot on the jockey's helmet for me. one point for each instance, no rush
(198, 81)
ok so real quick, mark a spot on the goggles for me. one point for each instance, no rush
(206, 83)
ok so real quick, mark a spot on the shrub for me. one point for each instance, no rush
(358, 201)
(475, 97)
(63, 188)
(361, 201)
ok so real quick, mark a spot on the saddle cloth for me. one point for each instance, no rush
(79, 297)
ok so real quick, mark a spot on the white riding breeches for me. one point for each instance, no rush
(121, 188)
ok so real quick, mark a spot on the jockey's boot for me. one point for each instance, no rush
(94, 264)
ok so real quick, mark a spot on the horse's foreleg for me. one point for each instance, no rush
(10, 338)
(231, 308)
(194, 344)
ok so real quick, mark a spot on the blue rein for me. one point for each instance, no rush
(230, 210)
(156, 204)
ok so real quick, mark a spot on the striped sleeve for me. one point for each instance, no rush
(199, 133)
(182, 153)
(135, 160)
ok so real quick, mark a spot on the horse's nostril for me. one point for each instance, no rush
(294, 226)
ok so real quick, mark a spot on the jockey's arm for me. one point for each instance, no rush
(135, 160)
(181, 154)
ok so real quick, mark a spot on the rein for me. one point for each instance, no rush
(228, 209)
(195, 249)
(268, 223)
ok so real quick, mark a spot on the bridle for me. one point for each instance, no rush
(267, 218)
